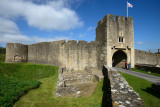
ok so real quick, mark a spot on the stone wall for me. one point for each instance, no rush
(44, 53)
(122, 95)
(143, 57)
(16, 53)
(76, 83)
(69, 54)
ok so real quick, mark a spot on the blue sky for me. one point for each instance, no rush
(32, 21)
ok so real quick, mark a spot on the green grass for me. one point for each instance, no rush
(143, 87)
(2, 57)
(27, 71)
(11, 89)
(16, 79)
(44, 96)
(143, 71)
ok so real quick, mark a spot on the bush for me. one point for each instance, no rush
(2, 57)
(2, 50)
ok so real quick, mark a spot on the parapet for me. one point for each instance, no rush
(72, 41)
(82, 42)
(118, 18)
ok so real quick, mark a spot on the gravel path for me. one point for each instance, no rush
(151, 78)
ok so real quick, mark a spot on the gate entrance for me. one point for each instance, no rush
(118, 59)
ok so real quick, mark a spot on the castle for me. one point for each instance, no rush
(113, 46)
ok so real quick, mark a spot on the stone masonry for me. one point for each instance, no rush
(113, 46)
(122, 94)
(77, 83)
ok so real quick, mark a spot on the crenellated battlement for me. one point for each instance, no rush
(72, 54)
(114, 36)
(110, 17)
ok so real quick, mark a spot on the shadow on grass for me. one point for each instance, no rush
(151, 91)
(106, 100)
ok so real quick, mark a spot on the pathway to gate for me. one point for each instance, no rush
(148, 77)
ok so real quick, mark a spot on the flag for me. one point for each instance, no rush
(130, 5)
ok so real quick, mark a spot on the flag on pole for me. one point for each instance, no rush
(130, 5)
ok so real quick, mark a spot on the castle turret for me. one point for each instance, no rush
(16, 52)
(116, 37)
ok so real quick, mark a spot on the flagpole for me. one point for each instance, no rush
(127, 8)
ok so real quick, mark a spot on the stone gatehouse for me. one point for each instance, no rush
(113, 46)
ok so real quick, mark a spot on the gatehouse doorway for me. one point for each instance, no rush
(118, 59)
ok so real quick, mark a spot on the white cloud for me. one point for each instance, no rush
(140, 43)
(9, 33)
(53, 15)
(11, 38)
(8, 26)
(90, 28)
(18, 38)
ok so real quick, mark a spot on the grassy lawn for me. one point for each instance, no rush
(137, 70)
(44, 96)
(16, 79)
(143, 87)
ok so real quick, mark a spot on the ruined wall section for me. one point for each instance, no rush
(101, 39)
(69, 54)
(16, 52)
(143, 57)
(101, 31)
(44, 53)
(79, 55)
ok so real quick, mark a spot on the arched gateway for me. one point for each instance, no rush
(118, 59)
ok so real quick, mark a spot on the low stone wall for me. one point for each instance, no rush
(143, 57)
(75, 83)
(148, 68)
(122, 94)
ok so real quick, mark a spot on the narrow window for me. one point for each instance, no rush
(120, 39)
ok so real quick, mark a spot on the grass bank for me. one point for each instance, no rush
(142, 71)
(44, 96)
(16, 79)
(143, 87)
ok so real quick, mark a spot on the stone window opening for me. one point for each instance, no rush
(121, 39)
(17, 58)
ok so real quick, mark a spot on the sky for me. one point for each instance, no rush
(32, 21)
